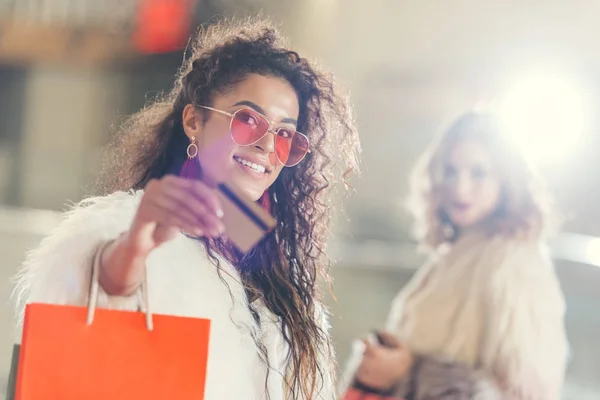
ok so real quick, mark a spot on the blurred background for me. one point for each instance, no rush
(71, 69)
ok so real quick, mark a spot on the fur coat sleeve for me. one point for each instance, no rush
(49, 276)
(525, 345)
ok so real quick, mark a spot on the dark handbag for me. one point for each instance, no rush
(437, 378)
(430, 378)
(12, 375)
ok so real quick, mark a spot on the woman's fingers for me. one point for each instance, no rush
(193, 210)
(200, 190)
(170, 203)
(205, 208)
(167, 217)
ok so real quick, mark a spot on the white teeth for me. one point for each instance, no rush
(256, 167)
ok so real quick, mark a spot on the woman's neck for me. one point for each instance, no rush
(471, 230)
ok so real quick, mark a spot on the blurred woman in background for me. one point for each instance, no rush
(484, 318)
(276, 127)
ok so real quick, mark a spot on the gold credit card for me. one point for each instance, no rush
(246, 223)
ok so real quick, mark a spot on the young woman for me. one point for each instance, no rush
(489, 300)
(270, 123)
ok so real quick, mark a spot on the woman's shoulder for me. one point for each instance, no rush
(522, 249)
(117, 202)
(116, 208)
(87, 223)
(500, 248)
(112, 198)
(519, 260)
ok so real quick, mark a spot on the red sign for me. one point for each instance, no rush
(162, 26)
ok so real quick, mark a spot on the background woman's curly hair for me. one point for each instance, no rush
(284, 268)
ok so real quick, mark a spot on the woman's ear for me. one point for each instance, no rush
(192, 123)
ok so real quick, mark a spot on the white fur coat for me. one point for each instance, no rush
(494, 305)
(181, 281)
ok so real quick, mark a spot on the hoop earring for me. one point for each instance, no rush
(191, 167)
(192, 149)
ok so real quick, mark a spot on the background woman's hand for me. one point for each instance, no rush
(382, 366)
(169, 206)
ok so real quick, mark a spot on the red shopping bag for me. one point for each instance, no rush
(64, 357)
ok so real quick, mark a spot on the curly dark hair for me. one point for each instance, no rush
(285, 267)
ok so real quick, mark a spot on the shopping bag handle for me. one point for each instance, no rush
(95, 288)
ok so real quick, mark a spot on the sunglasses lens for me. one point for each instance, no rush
(248, 127)
(291, 147)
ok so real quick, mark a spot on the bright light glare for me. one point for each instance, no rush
(592, 252)
(544, 114)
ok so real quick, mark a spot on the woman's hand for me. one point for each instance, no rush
(383, 367)
(169, 206)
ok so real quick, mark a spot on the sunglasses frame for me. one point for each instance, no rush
(269, 130)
